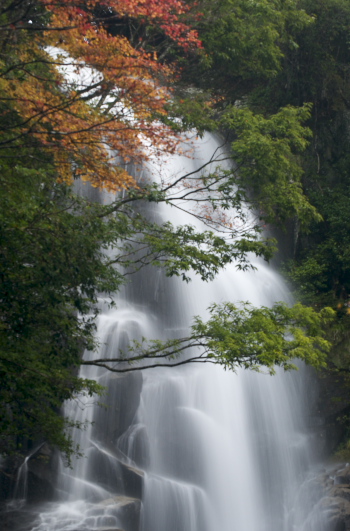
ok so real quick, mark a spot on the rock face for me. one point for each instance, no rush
(335, 482)
(40, 476)
(109, 470)
(330, 406)
(7, 479)
(123, 393)
(128, 511)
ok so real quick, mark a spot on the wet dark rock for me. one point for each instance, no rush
(109, 529)
(342, 480)
(336, 502)
(123, 392)
(8, 474)
(337, 524)
(39, 489)
(41, 475)
(7, 479)
(133, 481)
(129, 510)
(330, 405)
(108, 469)
(15, 518)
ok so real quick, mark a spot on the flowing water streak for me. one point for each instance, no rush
(20, 491)
(21, 486)
(206, 449)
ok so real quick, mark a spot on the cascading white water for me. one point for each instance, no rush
(204, 449)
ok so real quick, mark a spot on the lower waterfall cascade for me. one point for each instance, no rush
(191, 448)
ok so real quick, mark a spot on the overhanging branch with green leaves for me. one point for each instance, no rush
(236, 336)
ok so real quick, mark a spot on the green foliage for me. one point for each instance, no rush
(265, 150)
(183, 249)
(300, 75)
(52, 268)
(324, 266)
(244, 41)
(247, 46)
(317, 70)
(238, 336)
(54, 264)
(53, 244)
(254, 337)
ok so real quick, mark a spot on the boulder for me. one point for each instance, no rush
(335, 504)
(108, 469)
(41, 475)
(122, 399)
(129, 510)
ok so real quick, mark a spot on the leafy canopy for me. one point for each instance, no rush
(236, 336)
(89, 119)
(90, 125)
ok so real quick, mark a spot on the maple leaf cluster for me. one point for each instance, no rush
(100, 101)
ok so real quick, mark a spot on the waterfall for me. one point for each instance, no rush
(192, 448)
(21, 485)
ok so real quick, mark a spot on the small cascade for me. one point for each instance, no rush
(103, 489)
(21, 486)
(192, 448)
(20, 491)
